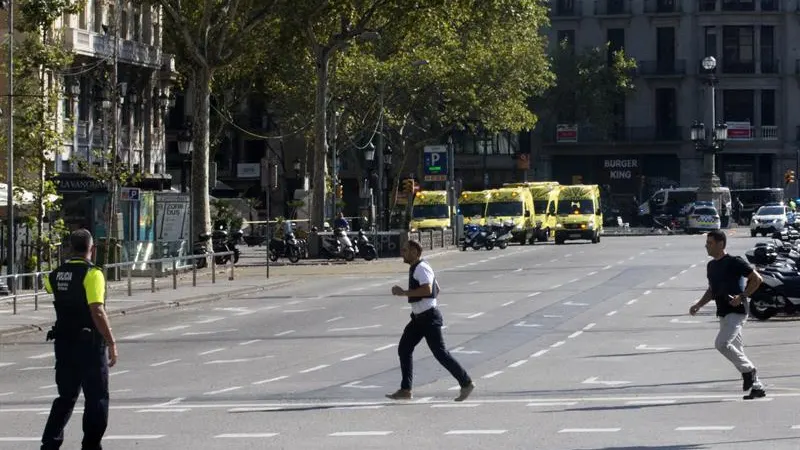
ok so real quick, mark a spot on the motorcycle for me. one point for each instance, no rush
(780, 290)
(288, 247)
(364, 247)
(200, 249)
(503, 234)
(477, 237)
(339, 246)
(221, 244)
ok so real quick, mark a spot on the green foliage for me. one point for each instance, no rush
(588, 87)
(37, 15)
(225, 215)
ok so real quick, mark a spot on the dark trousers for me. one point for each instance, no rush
(79, 365)
(427, 325)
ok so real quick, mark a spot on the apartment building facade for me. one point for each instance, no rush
(144, 79)
(757, 95)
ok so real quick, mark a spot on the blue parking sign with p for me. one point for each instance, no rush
(435, 160)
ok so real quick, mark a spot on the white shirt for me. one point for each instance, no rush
(424, 275)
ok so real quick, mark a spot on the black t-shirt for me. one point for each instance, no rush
(725, 278)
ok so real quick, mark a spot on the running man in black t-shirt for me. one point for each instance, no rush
(725, 275)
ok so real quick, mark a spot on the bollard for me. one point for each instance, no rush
(152, 277)
(194, 272)
(130, 284)
(14, 291)
(174, 274)
(231, 278)
(36, 291)
(213, 269)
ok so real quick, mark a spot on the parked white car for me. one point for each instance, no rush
(702, 218)
(768, 219)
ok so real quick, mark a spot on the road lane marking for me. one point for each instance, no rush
(509, 303)
(549, 403)
(25, 369)
(354, 328)
(119, 372)
(270, 380)
(6, 364)
(42, 356)
(356, 408)
(385, 347)
(650, 402)
(206, 333)
(463, 432)
(359, 433)
(236, 361)
(250, 342)
(132, 437)
(334, 319)
(211, 320)
(558, 344)
(350, 358)
(163, 410)
(245, 435)
(216, 350)
(606, 267)
(660, 284)
(533, 294)
(539, 353)
(589, 327)
(456, 405)
(492, 374)
(176, 328)
(518, 363)
(706, 428)
(164, 363)
(556, 286)
(475, 315)
(647, 292)
(315, 368)
(575, 334)
(630, 302)
(222, 391)
(552, 316)
(498, 275)
(611, 313)
(135, 336)
(571, 303)
(591, 273)
(380, 306)
(283, 333)
(6, 394)
(589, 430)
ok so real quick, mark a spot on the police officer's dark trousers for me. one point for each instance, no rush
(81, 363)
(428, 325)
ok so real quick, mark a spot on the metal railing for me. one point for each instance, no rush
(38, 288)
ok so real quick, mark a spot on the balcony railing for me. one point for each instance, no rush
(612, 7)
(592, 134)
(566, 9)
(662, 6)
(92, 44)
(672, 67)
(762, 133)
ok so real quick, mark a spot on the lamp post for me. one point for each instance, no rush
(709, 182)
(185, 147)
(10, 257)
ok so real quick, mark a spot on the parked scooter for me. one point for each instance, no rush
(780, 290)
(288, 247)
(364, 247)
(477, 237)
(338, 246)
(503, 234)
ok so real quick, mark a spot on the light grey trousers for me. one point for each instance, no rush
(729, 343)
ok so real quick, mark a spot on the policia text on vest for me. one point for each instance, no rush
(84, 346)
(426, 322)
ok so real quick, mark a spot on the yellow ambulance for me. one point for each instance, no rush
(545, 199)
(579, 213)
(514, 205)
(472, 205)
(430, 211)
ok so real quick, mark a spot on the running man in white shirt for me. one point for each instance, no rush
(426, 322)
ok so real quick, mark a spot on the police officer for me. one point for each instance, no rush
(426, 322)
(82, 336)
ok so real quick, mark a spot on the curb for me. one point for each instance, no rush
(33, 328)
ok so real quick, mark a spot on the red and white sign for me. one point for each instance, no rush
(566, 133)
(739, 131)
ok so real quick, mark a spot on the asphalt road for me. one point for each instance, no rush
(572, 347)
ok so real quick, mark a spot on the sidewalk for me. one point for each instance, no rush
(247, 280)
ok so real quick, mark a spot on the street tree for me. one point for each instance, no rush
(590, 85)
(39, 64)
(487, 58)
(209, 36)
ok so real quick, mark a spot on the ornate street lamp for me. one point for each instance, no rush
(369, 152)
(719, 135)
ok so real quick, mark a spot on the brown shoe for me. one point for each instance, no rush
(465, 391)
(401, 394)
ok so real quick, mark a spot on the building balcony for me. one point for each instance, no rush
(612, 8)
(662, 7)
(588, 134)
(747, 134)
(662, 68)
(566, 9)
(96, 45)
(736, 6)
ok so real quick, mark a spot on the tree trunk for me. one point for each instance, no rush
(200, 201)
(320, 138)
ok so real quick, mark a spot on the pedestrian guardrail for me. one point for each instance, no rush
(12, 281)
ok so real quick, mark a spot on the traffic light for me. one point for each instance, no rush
(789, 176)
(339, 191)
(408, 185)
